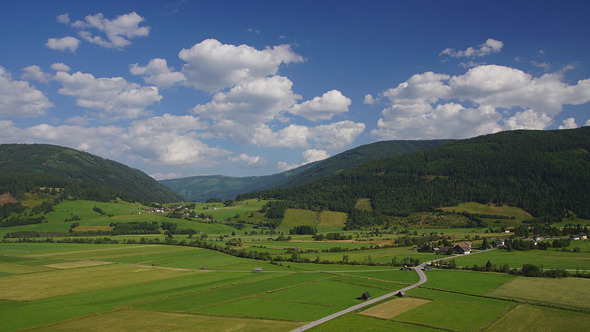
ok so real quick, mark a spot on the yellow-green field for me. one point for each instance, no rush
(491, 209)
(364, 204)
(393, 308)
(567, 292)
(149, 320)
(333, 219)
(28, 287)
(534, 318)
(297, 217)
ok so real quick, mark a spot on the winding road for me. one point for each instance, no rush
(422, 280)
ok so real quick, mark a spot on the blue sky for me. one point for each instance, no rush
(181, 88)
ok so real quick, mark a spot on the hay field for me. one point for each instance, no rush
(334, 219)
(147, 320)
(74, 265)
(568, 292)
(298, 217)
(393, 308)
(42, 285)
(534, 318)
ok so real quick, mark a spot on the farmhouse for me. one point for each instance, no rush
(498, 243)
(583, 236)
(462, 248)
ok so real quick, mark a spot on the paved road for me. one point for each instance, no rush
(422, 280)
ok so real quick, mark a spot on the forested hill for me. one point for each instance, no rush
(200, 188)
(26, 167)
(544, 172)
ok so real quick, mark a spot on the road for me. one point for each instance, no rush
(422, 280)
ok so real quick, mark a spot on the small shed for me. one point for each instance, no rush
(401, 294)
(366, 296)
(204, 267)
(427, 268)
(257, 270)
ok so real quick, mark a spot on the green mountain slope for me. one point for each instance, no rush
(544, 172)
(200, 188)
(25, 167)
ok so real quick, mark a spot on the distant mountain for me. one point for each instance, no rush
(200, 188)
(26, 167)
(543, 172)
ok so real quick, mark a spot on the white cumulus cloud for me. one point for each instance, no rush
(569, 123)
(158, 73)
(68, 43)
(117, 32)
(115, 97)
(60, 67)
(325, 107)
(34, 73)
(484, 100)
(19, 99)
(213, 66)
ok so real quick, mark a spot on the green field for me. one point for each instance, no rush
(491, 209)
(466, 281)
(297, 217)
(550, 259)
(565, 292)
(533, 318)
(333, 219)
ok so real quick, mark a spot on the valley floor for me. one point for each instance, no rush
(157, 287)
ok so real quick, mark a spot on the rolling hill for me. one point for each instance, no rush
(200, 188)
(25, 167)
(543, 172)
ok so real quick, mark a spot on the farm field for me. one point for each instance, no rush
(92, 286)
(550, 259)
(491, 209)
(533, 318)
(297, 217)
(566, 292)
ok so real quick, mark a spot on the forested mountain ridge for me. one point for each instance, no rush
(544, 172)
(200, 188)
(26, 167)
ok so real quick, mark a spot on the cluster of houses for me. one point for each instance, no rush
(460, 248)
(580, 236)
(173, 209)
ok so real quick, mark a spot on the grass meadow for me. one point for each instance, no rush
(158, 287)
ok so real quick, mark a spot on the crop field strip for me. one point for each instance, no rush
(149, 320)
(42, 285)
(393, 308)
(533, 318)
(569, 293)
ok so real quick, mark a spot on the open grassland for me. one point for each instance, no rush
(269, 309)
(550, 259)
(534, 318)
(393, 308)
(258, 284)
(307, 244)
(452, 315)
(393, 275)
(355, 322)
(42, 285)
(491, 209)
(334, 219)
(567, 292)
(12, 268)
(327, 292)
(298, 217)
(221, 212)
(75, 265)
(431, 294)
(59, 308)
(466, 281)
(147, 320)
